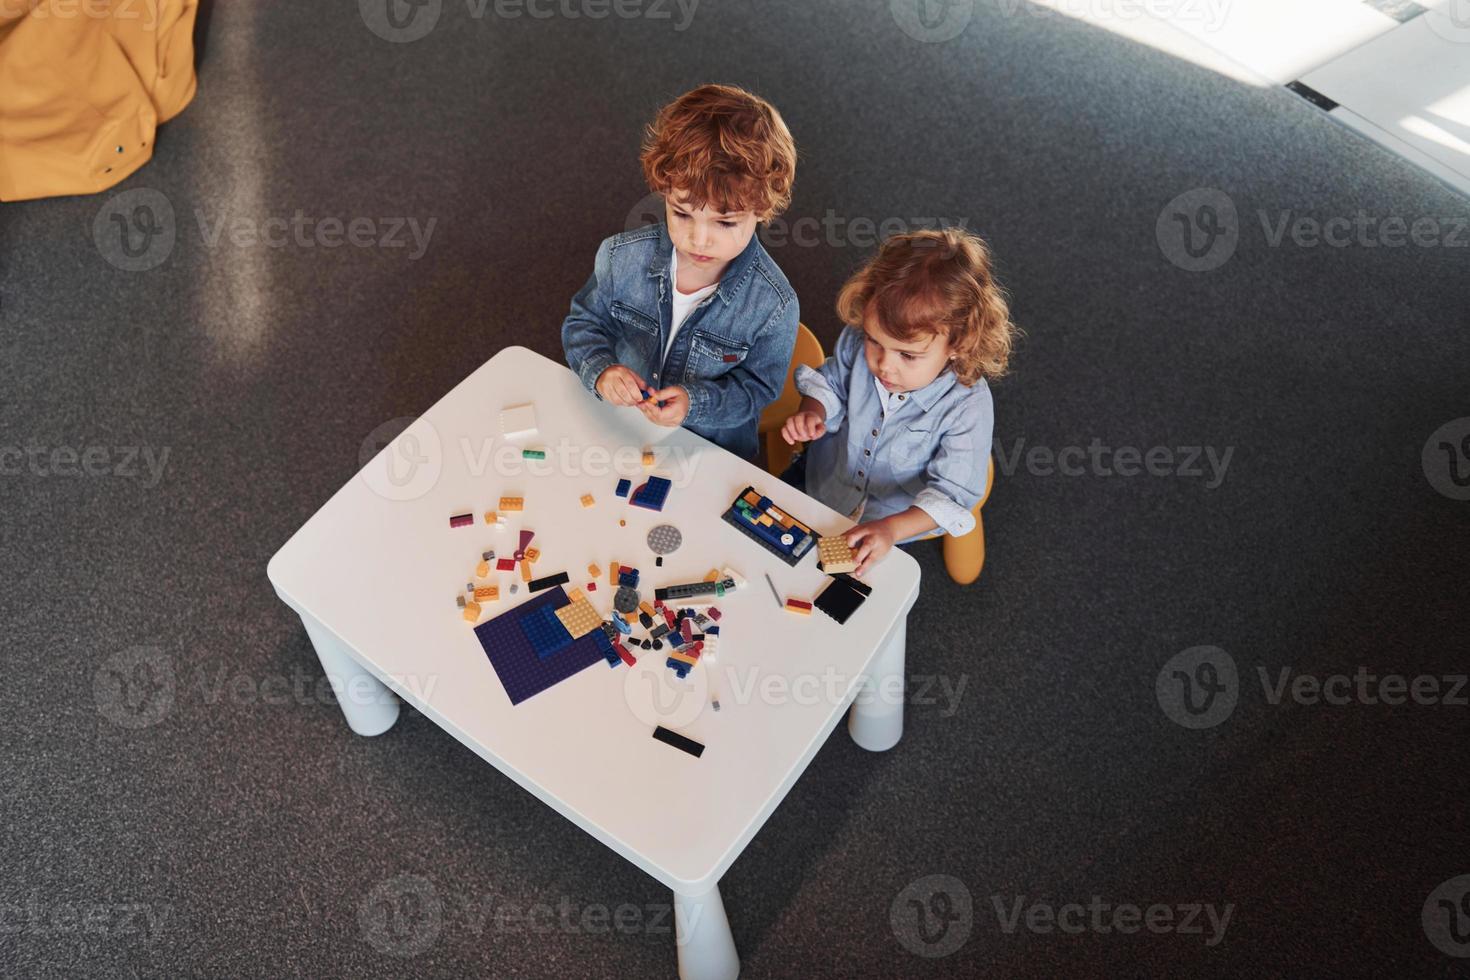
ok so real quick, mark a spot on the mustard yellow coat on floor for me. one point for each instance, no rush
(83, 87)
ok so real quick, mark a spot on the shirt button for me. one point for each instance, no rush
(900, 398)
(860, 472)
(867, 452)
(875, 432)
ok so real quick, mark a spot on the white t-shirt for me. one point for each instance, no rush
(684, 303)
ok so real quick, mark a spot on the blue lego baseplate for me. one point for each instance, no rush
(653, 494)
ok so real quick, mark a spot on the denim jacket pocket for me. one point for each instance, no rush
(712, 355)
(637, 319)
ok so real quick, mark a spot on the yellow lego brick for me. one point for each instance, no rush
(587, 500)
(575, 595)
(612, 572)
(648, 459)
(512, 503)
(533, 555)
(579, 617)
(487, 593)
(712, 575)
(675, 654)
(765, 519)
(646, 608)
(753, 498)
(482, 570)
(526, 572)
(471, 611)
(489, 517)
(593, 572)
(835, 556)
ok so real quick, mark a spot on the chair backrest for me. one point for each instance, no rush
(808, 351)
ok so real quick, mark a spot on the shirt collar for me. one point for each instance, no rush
(929, 395)
(731, 281)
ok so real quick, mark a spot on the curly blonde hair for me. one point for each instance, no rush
(936, 282)
(722, 146)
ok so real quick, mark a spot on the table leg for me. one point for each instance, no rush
(706, 948)
(875, 721)
(370, 708)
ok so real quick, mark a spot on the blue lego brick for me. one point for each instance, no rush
(712, 630)
(621, 626)
(545, 632)
(623, 485)
(679, 667)
(653, 494)
(629, 578)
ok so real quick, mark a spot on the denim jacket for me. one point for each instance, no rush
(931, 450)
(732, 354)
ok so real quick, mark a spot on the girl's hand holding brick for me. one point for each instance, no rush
(870, 542)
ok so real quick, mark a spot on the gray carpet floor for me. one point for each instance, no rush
(214, 401)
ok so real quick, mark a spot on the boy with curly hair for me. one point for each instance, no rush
(689, 320)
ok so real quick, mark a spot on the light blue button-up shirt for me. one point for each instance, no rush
(931, 449)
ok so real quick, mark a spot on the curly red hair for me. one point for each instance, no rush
(936, 282)
(724, 147)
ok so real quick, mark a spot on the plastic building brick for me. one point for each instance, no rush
(664, 539)
(760, 520)
(579, 617)
(487, 593)
(533, 454)
(713, 575)
(622, 523)
(491, 517)
(659, 562)
(648, 459)
(459, 601)
(461, 520)
(840, 599)
(684, 658)
(514, 588)
(693, 589)
(488, 555)
(587, 500)
(621, 625)
(594, 571)
(622, 651)
(625, 600)
(574, 595)
(518, 420)
(526, 536)
(591, 586)
(612, 573)
(799, 606)
(653, 494)
(628, 576)
(511, 504)
(623, 487)
(774, 591)
(544, 630)
(834, 556)
(505, 564)
(525, 571)
(679, 668)
(687, 631)
(482, 570)
(471, 611)
(531, 556)
(730, 574)
(536, 585)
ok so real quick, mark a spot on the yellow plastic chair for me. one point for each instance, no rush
(778, 455)
(964, 556)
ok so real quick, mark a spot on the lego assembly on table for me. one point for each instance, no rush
(558, 630)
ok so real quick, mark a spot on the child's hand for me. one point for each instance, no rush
(620, 385)
(667, 406)
(870, 542)
(803, 427)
